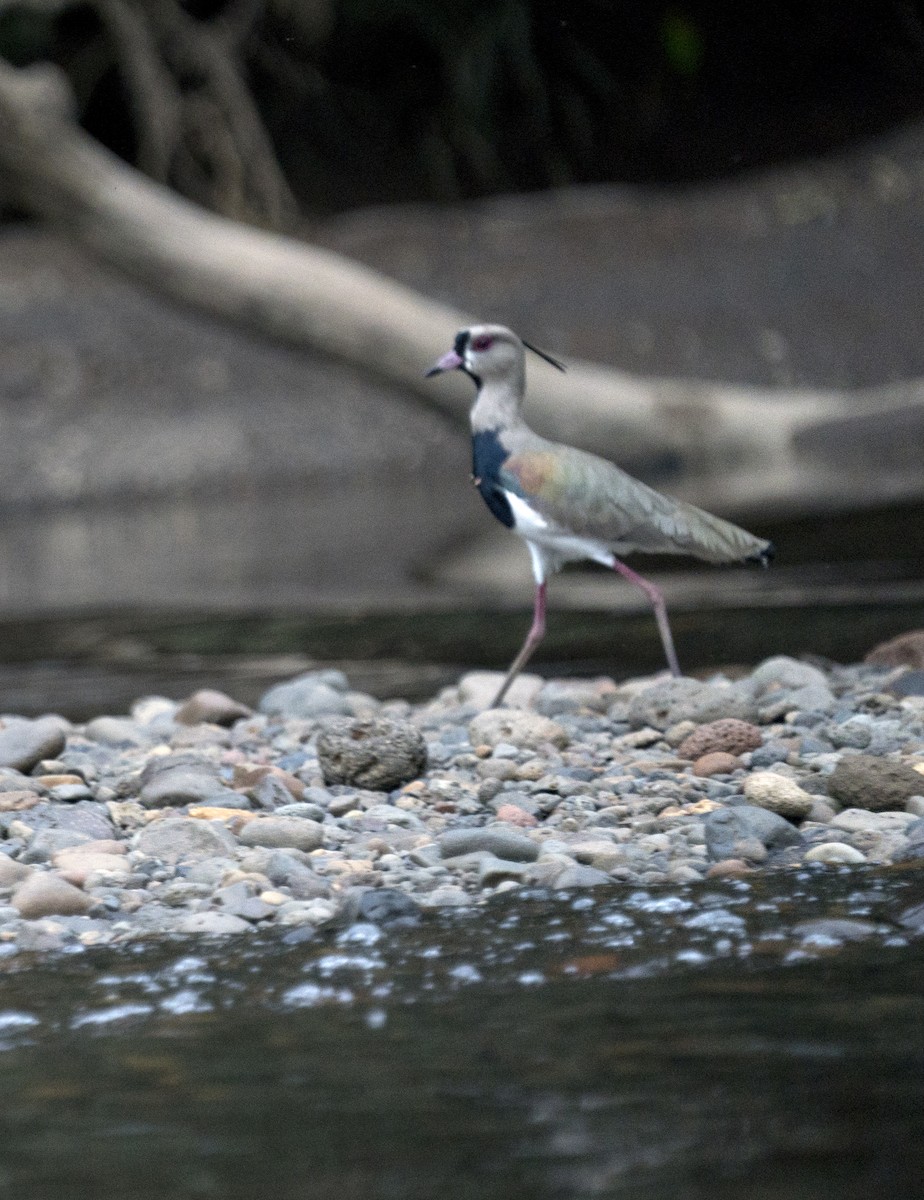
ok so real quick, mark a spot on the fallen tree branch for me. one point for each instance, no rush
(739, 448)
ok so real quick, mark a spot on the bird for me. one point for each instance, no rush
(567, 504)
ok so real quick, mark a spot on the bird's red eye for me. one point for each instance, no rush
(484, 342)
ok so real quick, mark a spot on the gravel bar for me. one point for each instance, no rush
(327, 806)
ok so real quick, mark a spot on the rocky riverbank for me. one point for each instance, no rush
(326, 805)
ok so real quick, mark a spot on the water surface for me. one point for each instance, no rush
(712, 1041)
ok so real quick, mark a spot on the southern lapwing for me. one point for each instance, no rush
(567, 504)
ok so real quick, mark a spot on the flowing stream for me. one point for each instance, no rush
(760, 1038)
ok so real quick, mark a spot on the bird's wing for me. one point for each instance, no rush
(588, 496)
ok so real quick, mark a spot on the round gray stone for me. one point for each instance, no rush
(665, 704)
(877, 784)
(119, 731)
(514, 847)
(181, 785)
(726, 827)
(284, 870)
(282, 833)
(47, 842)
(783, 684)
(176, 838)
(24, 743)
(316, 694)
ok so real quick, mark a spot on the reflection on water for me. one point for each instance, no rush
(761, 1042)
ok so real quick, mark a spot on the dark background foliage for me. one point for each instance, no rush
(371, 101)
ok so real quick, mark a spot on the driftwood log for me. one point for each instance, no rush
(739, 449)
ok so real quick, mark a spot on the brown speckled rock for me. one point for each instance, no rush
(906, 650)
(729, 736)
(876, 784)
(716, 763)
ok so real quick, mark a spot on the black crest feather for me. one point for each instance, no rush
(542, 354)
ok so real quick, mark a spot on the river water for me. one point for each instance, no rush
(759, 1038)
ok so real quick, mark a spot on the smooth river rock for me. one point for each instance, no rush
(282, 833)
(24, 743)
(513, 847)
(176, 838)
(181, 785)
(211, 707)
(315, 694)
(45, 894)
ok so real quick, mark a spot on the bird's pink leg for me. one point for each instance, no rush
(533, 638)
(656, 599)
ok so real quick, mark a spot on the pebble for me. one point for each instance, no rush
(877, 784)
(18, 801)
(211, 924)
(854, 819)
(119, 731)
(215, 829)
(315, 694)
(665, 704)
(373, 752)
(521, 729)
(906, 650)
(478, 689)
(730, 736)
(769, 753)
(513, 814)
(212, 707)
(46, 843)
(175, 838)
(726, 828)
(781, 685)
(282, 833)
(45, 894)
(582, 877)
(778, 794)
(12, 872)
(834, 853)
(23, 744)
(179, 785)
(729, 868)
(716, 763)
(502, 843)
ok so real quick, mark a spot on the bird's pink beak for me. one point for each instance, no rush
(449, 362)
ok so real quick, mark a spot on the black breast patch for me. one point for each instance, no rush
(488, 456)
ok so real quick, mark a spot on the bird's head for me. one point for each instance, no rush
(487, 353)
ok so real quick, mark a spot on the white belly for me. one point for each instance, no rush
(551, 548)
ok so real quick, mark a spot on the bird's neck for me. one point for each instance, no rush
(497, 406)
